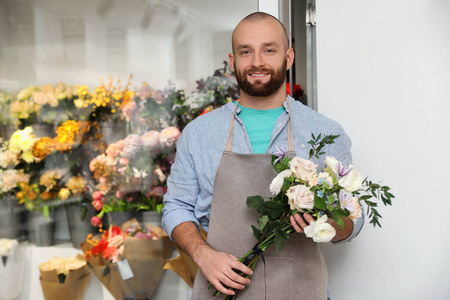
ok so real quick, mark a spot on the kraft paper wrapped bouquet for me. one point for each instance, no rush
(129, 259)
(64, 278)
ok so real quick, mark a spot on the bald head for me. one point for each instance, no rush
(261, 17)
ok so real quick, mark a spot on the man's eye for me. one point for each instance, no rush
(270, 50)
(244, 52)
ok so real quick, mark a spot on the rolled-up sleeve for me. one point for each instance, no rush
(182, 188)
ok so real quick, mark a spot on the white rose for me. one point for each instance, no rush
(277, 182)
(300, 197)
(320, 231)
(332, 163)
(352, 181)
(302, 168)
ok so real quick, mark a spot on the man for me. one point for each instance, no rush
(224, 156)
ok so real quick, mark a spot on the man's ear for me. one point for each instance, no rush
(231, 60)
(289, 58)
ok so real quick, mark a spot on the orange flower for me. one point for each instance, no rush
(46, 196)
(43, 147)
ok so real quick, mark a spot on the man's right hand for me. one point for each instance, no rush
(217, 267)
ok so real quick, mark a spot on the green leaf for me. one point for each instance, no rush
(256, 233)
(262, 221)
(278, 241)
(159, 208)
(286, 184)
(255, 202)
(272, 209)
(365, 197)
(319, 203)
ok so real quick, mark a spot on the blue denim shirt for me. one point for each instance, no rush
(200, 147)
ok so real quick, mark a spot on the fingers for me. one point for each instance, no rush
(218, 270)
(299, 223)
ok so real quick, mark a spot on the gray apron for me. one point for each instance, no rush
(296, 272)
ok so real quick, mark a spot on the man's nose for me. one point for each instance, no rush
(258, 60)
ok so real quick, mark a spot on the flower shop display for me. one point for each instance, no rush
(105, 107)
(64, 278)
(129, 259)
(132, 175)
(155, 109)
(335, 192)
(12, 268)
(46, 104)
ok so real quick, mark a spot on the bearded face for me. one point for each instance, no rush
(258, 88)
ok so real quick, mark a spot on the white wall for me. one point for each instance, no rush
(383, 73)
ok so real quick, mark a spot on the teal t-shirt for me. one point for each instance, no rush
(259, 125)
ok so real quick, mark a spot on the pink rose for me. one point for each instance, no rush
(303, 169)
(97, 204)
(300, 197)
(120, 194)
(169, 136)
(97, 196)
(96, 221)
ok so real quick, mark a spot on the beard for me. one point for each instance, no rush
(259, 89)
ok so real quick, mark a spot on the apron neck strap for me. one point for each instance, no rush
(291, 146)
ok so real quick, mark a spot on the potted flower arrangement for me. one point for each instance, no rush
(45, 171)
(105, 107)
(131, 175)
(43, 107)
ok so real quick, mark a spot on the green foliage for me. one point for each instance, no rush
(378, 192)
(317, 144)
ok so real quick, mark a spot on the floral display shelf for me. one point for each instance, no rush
(171, 285)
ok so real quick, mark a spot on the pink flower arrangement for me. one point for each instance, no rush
(169, 136)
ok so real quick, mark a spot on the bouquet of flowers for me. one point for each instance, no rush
(46, 104)
(337, 192)
(132, 174)
(106, 102)
(128, 259)
(64, 278)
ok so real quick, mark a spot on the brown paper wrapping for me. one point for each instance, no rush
(183, 264)
(73, 287)
(146, 259)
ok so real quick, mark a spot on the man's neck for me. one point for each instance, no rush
(273, 101)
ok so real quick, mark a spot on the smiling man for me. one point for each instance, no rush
(225, 156)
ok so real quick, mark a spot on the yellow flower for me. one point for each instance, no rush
(22, 140)
(117, 95)
(24, 94)
(64, 193)
(28, 156)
